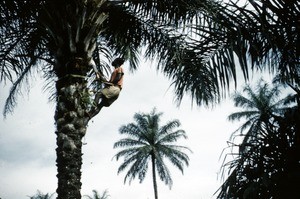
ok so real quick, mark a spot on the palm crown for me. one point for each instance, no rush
(202, 66)
(260, 104)
(48, 36)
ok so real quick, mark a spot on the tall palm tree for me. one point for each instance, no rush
(268, 154)
(61, 40)
(148, 141)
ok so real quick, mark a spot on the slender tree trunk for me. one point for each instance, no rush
(71, 123)
(154, 177)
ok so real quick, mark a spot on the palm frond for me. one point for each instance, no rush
(138, 167)
(175, 155)
(128, 142)
(15, 89)
(237, 116)
(165, 129)
(127, 153)
(40, 195)
(141, 121)
(171, 137)
(242, 101)
(129, 129)
(163, 171)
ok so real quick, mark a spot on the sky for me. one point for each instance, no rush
(28, 142)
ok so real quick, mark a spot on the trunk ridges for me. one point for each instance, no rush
(71, 123)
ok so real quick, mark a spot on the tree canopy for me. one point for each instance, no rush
(196, 43)
(266, 162)
(147, 141)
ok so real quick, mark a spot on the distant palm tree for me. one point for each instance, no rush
(96, 195)
(40, 195)
(260, 104)
(148, 141)
(266, 164)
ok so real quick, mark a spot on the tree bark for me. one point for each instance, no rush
(71, 124)
(154, 177)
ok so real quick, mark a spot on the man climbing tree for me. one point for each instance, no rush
(112, 88)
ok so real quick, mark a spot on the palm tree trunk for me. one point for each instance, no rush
(71, 123)
(154, 177)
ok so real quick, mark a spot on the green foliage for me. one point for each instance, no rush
(96, 195)
(48, 36)
(259, 105)
(196, 43)
(267, 162)
(147, 141)
(253, 33)
(40, 195)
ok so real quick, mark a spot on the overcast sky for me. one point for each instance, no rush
(28, 142)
